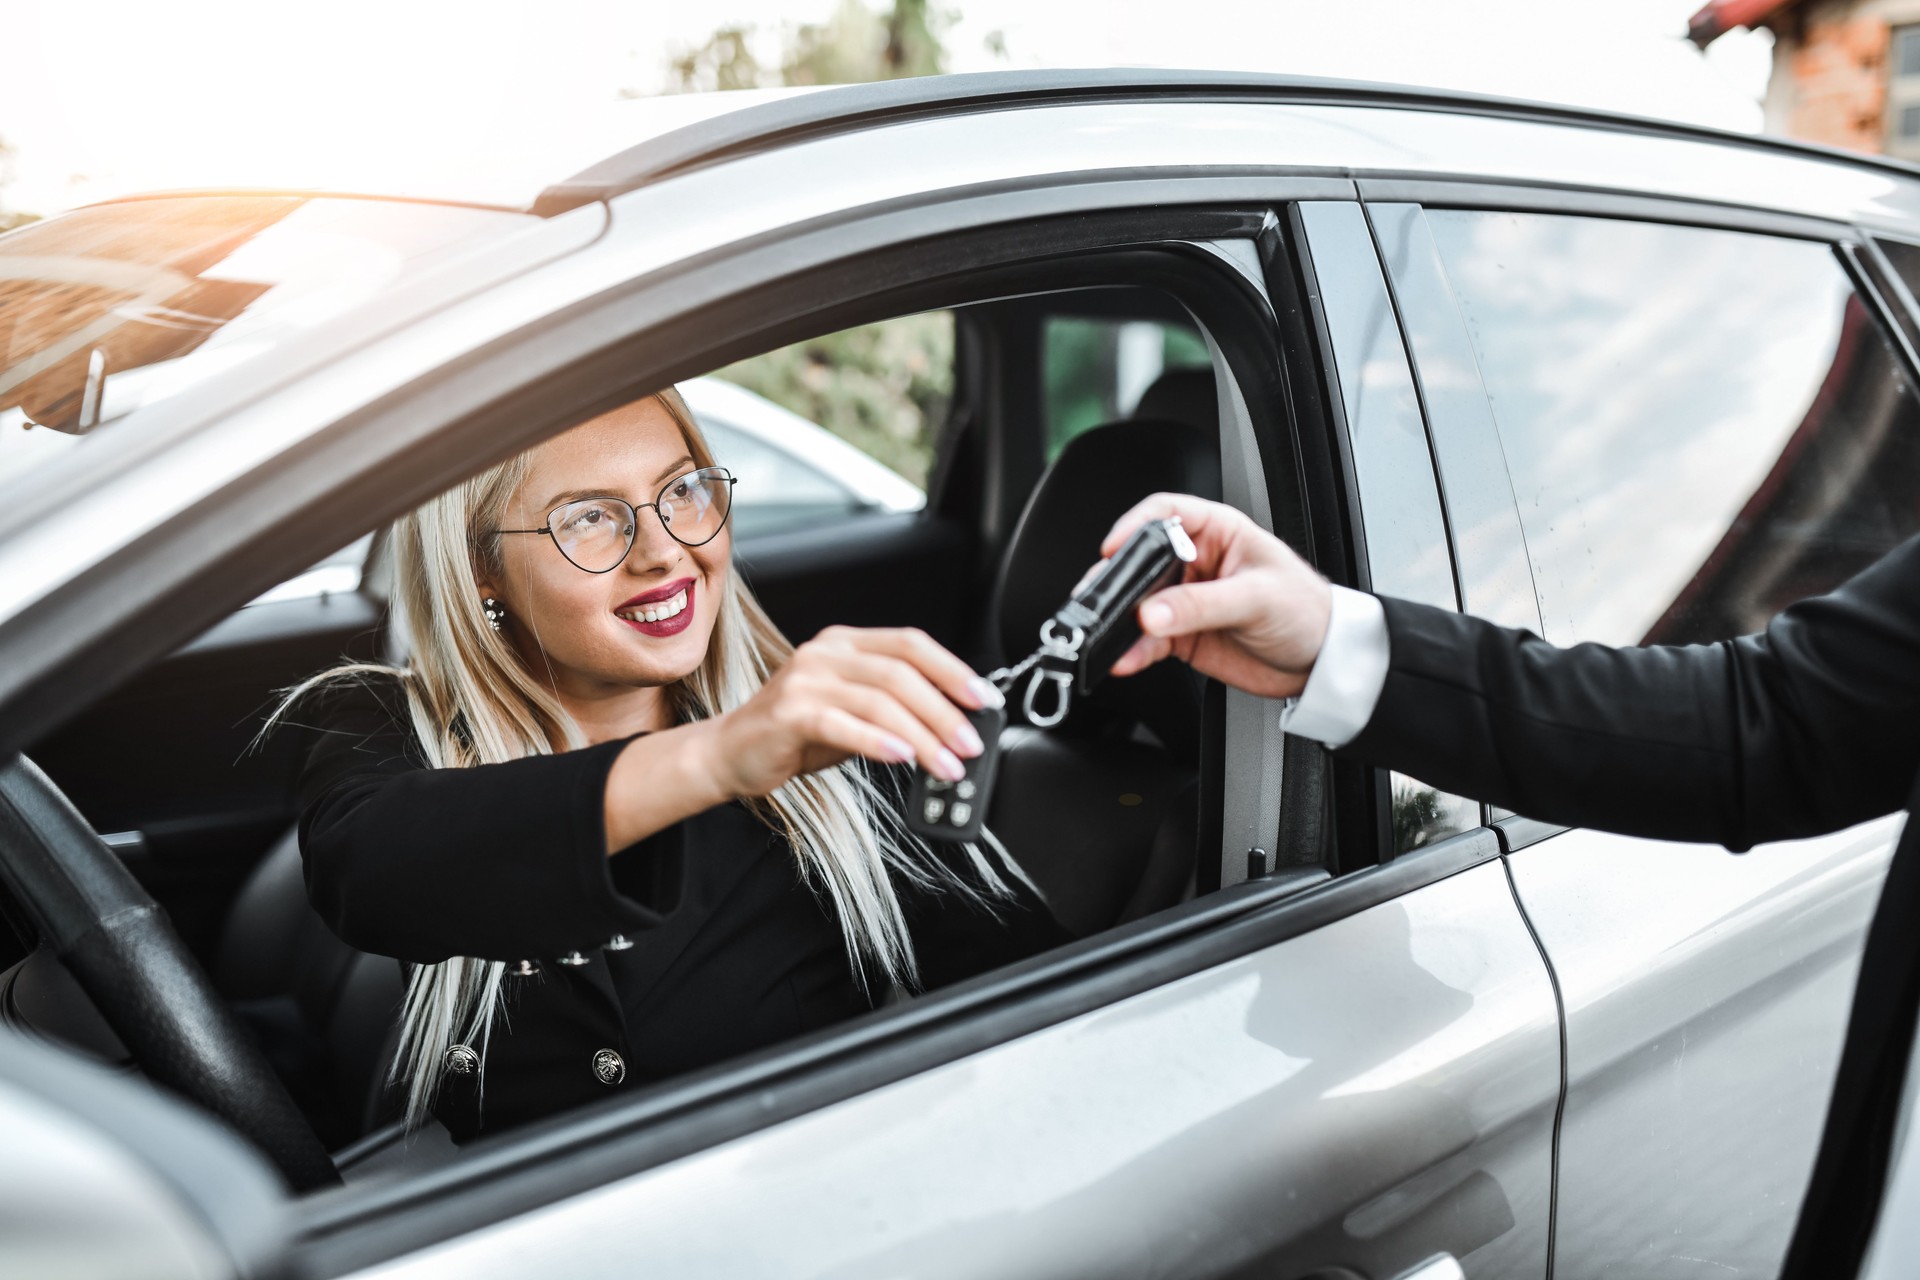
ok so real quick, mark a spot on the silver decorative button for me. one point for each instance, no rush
(608, 1067)
(960, 813)
(935, 806)
(619, 942)
(524, 969)
(573, 960)
(462, 1061)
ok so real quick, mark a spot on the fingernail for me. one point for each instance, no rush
(966, 741)
(985, 693)
(898, 750)
(1155, 617)
(947, 765)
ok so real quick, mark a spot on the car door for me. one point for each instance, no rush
(1300, 1073)
(1683, 428)
(1292, 1075)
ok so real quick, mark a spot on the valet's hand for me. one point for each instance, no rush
(883, 693)
(1249, 612)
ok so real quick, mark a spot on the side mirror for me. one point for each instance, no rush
(102, 1175)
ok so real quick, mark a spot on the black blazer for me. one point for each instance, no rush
(729, 950)
(1808, 727)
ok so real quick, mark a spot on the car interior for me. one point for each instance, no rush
(1116, 395)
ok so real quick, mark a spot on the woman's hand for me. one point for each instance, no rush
(1250, 613)
(888, 694)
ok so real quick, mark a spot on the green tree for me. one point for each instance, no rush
(723, 62)
(882, 387)
(853, 45)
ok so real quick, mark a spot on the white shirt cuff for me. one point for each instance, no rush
(1344, 686)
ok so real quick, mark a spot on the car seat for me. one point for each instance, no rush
(1102, 810)
(323, 1011)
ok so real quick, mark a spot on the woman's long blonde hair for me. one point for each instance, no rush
(473, 700)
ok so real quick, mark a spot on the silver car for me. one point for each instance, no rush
(1603, 378)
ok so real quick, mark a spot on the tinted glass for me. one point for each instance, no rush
(111, 308)
(776, 490)
(1702, 426)
(1096, 371)
(884, 388)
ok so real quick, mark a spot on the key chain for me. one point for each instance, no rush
(1082, 639)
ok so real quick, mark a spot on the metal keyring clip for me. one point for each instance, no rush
(1063, 698)
(1064, 650)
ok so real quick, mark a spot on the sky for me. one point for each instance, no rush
(113, 96)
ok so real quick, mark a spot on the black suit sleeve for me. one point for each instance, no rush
(1807, 727)
(503, 861)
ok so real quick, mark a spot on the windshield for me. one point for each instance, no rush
(109, 309)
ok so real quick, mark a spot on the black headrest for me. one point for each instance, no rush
(1182, 395)
(1093, 482)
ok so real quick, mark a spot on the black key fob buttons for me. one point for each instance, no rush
(942, 810)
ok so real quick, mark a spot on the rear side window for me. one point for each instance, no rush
(1702, 426)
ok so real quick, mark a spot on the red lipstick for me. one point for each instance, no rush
(668, 626)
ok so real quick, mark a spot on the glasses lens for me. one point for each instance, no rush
(594, 533)
(695, 506)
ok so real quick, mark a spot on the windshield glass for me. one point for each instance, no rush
(109, 309)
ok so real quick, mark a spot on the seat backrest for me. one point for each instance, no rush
(1102, 821)
(1182, 395)
(1097, 477)
(322, 1010)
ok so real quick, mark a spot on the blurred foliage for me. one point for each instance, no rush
(883, 388)
(723, 62)
(1416, 812)
(853, 46)
(1421, 815)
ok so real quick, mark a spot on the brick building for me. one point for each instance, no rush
(1845, 72)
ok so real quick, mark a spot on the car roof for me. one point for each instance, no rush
(786, 119)
(640, 141)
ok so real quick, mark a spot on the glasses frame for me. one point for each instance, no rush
(725, 476)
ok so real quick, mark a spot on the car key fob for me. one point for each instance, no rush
(942, 810)
(1103, 608)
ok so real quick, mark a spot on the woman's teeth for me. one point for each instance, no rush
(658, 611)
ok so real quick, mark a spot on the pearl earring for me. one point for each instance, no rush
(495, 611)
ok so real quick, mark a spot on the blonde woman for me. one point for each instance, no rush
(618, 827)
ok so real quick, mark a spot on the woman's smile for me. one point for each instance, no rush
(664, 611)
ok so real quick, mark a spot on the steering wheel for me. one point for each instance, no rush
(121, 948)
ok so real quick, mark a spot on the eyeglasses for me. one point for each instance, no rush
(596, 534)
